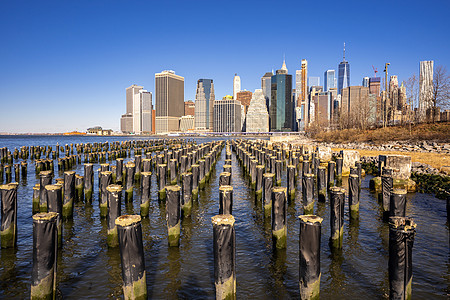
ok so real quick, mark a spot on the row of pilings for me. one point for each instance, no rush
(264, 165)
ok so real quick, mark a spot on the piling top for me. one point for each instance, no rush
(69, 172)
(120, 158)
(127, 220)
(104, 165)
(146, 159)
(226, 188)
(195, 166)
(308, 175)
(405, 222)
(354, 175)
(337, 189)
(173, 159)
(114, 188)
(227, 166)
(268, 175)
(310, 219)
(223, 220)
(173, 188)
(9, 186)
(186, 174)
(322, 167)
(278, 189)
(162, 165)
(78, 176)
(45, 216)
(53, 187)
(291, 166)
(37, 186)
(258, 166)
(146, 174)
(45, 173)
(225, 174)
(130, 165)
(106, 173)
(59, 180)
(399, 191)
(88, 164)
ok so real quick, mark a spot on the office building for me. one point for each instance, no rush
(169, 93)
(236, 85)
(227, 115)
(266, 86)
(425, 89)
(257, 117)
(356, 109)
(281, 110)
(329, 78)
(313, 81)
(204, 104)
(187, 123)
(344, 74)
(375, 86)
(189, 108)
(365, 82)
(244, 97)
(138, 116)
(146, 112)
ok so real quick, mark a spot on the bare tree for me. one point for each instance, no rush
(412, 97)
(441, 88)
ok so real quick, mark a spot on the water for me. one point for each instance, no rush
(88, 269)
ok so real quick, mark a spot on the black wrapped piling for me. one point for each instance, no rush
(88, 182)
(224, 246)
(291, 181)
(387, 184)
(308, 193)
(339, 164)
(173, 171)
(129, 181)
(279, 211)
(114, 192)
(259, 182)
(119, 171)
(305, 167)
(227, 168)
(278, 170)
(201, 174)
(17, 172)
(173, 214)
(322, 183)
(353, 195)
(69, 194)
(186, 200)
(43, 274)
(45, 177)
(145, 193)
(309, 256)
(162, 181)
(397, 204)
(195, 181)
(79, 187)
(225, 200)
(129, 231)
(24, 167)
(225, 178)
(8, 175)
(55, 204)
(8, 229)
(105, 181)
(337, 202)
(146, 165)
(36, 192)
(138, 167)
(401, 240)
(267, 193)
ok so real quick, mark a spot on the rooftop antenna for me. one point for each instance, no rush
(344, 51)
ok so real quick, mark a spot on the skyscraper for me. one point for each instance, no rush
(204, 104)
(329, 80)
(344, 74)
(227, 115)
(425, 88)
(257, 118)
(266, 86)
(169, 93)
(365, 82)
(313, 81)
(138, 116)
(236, 85)
(244, 97)
(281, 106)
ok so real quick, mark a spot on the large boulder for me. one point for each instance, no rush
(349, 157)
(401, 165)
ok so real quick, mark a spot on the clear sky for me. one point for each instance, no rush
(64, 65)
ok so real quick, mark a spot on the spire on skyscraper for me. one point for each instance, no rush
(283, 67)
(344, 51)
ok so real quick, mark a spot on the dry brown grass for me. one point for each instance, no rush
(429, 132)
(436, 160)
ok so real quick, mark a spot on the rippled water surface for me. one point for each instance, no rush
(87, 268)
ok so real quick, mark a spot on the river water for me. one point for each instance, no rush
(87, 268)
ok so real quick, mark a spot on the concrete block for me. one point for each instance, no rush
(349, 157)
(324, 153)
(401, 165)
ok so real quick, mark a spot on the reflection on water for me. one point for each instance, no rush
(89, 269)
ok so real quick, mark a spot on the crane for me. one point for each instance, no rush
(375, 70)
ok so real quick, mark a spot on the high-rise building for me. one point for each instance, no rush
(281, 110)
(227, 115)
(138, 116)
(375, 86)
(189, 108)
(169, 93)
(186, 123)
(244, 97)
(425, 88)
(313, 81)
(301, 91)
(365, 81)
(266, 86)
(236, 85)
(257, 118)
(329, 78)
(356, 108)
(204, 104)
(344, 74)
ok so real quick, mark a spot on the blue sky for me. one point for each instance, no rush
(64, 65)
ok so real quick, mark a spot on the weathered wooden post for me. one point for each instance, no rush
(55, 204)
(279, 211)
(387, 184)
(353, 195)
(267, 193)
(162, 181)
(308, 193)
(69, 194)
(145, 193)
(291, 181)
(45, 177)
(337, 202)
(173, 214)
(114, 198)
(79, 187)
(225, 178)
(106, 180)
(88, 181)
(322, 183)
(8, 229)
(397, 205)
(259, 181)
(195, 180)
(129, 181)
(186, 203)
(36, 191)
(225, 200)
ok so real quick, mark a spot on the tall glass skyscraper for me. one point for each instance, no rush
(329, 80)
(204, 104)
(344, 76)
(281, 110)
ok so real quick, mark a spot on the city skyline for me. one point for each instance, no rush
(83, 63)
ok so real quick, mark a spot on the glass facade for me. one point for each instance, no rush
(204, 102)
(281, 109)
(344, 76)
(329, 78)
